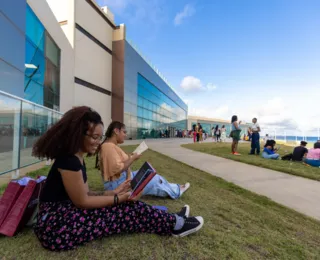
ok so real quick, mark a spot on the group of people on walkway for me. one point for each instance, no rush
(70, 214)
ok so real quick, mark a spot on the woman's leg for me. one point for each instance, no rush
(314, 163)
(270, 156)
(236, 146)
(66, 227)
(111, 185)
(160, 187)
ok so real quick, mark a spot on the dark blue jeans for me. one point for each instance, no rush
(255, 143)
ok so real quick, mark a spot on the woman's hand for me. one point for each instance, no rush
(135, 156)
(136, 198)
(123, 187)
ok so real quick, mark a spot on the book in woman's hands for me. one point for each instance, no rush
(142, 178)
(141, 148)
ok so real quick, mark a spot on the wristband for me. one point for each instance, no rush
(116, 199)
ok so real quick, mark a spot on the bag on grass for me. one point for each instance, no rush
(23, 207)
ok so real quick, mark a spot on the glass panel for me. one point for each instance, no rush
(16, 10)
(35, 63)
(33, 91)
(35, 122)
(11, 79)
(52, 51)
(12, 43)
(34, 29)
(52, 86)
(9, 133)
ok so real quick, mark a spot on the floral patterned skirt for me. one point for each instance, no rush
(63, 226)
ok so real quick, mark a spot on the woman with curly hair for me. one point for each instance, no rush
(70, 214)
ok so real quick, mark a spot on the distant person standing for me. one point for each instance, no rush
(194, 133)
(212, 132)
(200, 133)
(197, 132)
(223, 133)
(255, 138)
(235, 134)
(217, 133)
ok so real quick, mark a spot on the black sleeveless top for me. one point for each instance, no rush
(53, 190)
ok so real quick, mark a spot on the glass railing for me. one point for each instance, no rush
(21, 124)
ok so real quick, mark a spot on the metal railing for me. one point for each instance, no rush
(21, 123)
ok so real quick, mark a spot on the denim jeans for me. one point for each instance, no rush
(270, 156)
(158, 186)
(255, 143)
(314, 163)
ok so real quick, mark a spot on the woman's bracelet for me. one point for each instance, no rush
(116, 199)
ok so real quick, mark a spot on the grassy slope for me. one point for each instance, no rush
(238, 225)
(224, 150)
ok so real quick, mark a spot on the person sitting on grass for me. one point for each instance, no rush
(313, 156)
(71, 215)
(115, 166)
(298, 154)
(269, 152)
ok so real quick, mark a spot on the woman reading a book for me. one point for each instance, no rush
(115, 166)
(70, 214)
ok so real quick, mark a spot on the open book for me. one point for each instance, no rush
(141, 148)
(142, 178)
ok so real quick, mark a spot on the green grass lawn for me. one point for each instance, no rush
(224, 150)
(238, 225)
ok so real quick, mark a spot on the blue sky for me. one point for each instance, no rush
(246, 57)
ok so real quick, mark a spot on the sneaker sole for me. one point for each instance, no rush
(185, 189)
(191, 230)
(187, 211)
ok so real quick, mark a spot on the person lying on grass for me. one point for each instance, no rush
(70, 214)
(115, 166)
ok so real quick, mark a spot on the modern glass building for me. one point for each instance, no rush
(150, 106)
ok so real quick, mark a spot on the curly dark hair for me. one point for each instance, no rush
(67, 135)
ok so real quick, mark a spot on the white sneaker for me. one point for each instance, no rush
(185, 188)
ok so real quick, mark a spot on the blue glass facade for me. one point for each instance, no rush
(150, 105)
(12, 51)
(29, 58)
(42, 64)
(30, 69)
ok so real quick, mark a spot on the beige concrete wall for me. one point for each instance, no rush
(92, 63)
(48, 19)
(90, 20)
(98, 101)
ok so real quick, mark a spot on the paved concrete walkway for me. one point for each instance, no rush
(297, 193)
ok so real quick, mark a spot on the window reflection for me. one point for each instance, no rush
(42, 64)
(155, 111)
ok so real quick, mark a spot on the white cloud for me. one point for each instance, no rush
(210, 111)
(187, 11)
(148, 12)
(191, 83)
(211, 86)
